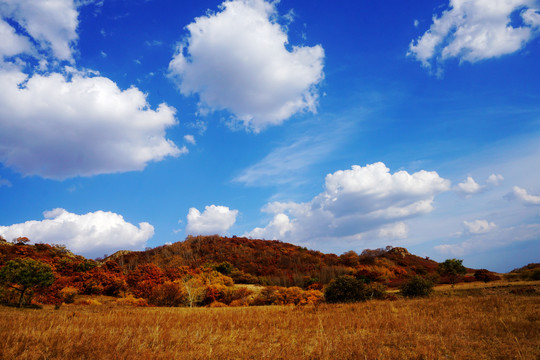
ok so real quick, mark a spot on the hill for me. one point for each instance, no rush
(203, 269)
(272, 262)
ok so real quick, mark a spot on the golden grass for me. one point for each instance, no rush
(493, 326)
(482, 285)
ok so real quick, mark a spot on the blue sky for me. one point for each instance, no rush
(131, 124)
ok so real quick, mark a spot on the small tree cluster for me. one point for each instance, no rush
(417, 286)
(347, 288)
(453, 268)
(277, 295)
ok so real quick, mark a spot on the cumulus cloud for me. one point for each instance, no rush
(237, 59)
(51, 24)
(479, 226)
(522, 195)
(494, 179)
(92, 234)
(56, 128)
(469, 187)
(12, 43)
(63, 121)
(275, 230)
(354, 202)
(473, 30)
(214, 220)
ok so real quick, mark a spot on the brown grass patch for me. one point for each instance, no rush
(493, 326)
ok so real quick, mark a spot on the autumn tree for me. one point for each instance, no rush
(26, 274)
(21, 240)
(194, 289)
(144, 278)
(452, 268)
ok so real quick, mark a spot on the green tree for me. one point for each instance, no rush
(26, 274)
(452, 268)
(417, 286)
(345, 288)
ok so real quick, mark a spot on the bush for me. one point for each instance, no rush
(226, 268)
(68, 294)
(376, 291)
(241, 277)
(417, 287)
(168, 294)
(345, 289)
(130, 300)
(485, 276)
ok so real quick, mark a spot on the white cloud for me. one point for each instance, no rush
(394, 231)
(277, 229)
(72, 124)
(52, 24)
(355, 202)
(214, 220)
(56, 128)
(473, 30)
(479, 226)
(190, 139)
(237, 59)
(469, 187)
(522, 194)
(494, 179)
(12, 44)
(92, 234)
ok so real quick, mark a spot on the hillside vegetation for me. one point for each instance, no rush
(214, 271)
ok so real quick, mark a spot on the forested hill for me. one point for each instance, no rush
(278, 263)
(211, 264)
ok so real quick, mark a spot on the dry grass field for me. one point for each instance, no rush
(492, 325)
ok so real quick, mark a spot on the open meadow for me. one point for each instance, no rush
(495, 323)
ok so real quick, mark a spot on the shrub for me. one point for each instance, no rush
(276, 295)
(345, 289)
(68, 294)
(417, 287)
(92, 302)
(485, 276)
(375, 291)
(132, 301)
(241, 277)
(168, 294)
(226, 268)
(217, 304)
